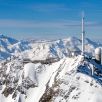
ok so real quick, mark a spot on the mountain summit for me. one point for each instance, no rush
(68, 80)
(49, 71)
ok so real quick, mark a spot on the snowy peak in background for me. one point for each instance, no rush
(96, 44)
(9, 46)
(7, 40)
(5, 43)
(52, 49)
(44, 49)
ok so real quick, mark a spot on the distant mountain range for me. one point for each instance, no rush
(38, 50)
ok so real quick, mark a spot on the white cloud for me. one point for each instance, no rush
(8, 23)
(48, 7)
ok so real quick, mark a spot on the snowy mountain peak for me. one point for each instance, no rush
(8, 40)
(67, 80)
(44, 49)
(5, 44)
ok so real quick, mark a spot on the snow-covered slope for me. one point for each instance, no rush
(5, 40)
(5, 43)
(10, 46)
(75, 79)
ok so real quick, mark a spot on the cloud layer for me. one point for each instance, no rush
(7, 23)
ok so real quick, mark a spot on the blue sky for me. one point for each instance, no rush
(50, 19)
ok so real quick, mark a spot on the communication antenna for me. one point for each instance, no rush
(83, 34)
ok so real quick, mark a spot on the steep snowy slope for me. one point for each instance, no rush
(75, 82)
(5, 40)
(19, 47)
(76, 79)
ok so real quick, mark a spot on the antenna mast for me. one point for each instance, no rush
(83, 34)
